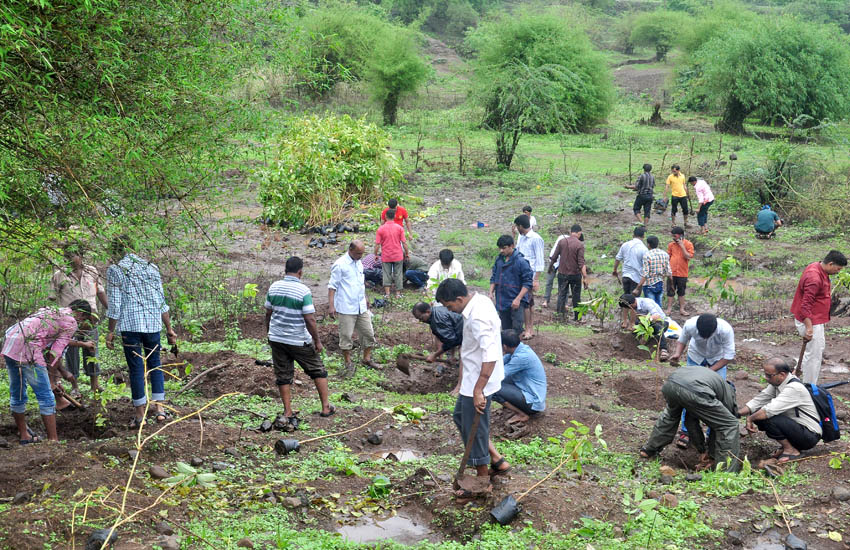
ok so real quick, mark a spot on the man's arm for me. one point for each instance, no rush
(377, 249)
(331, 309)
(680, 348)
(687, 253)
(615, 273)
(268, 319)
(313, 329)
(407, 223)
(170, 335)
(719, 365)
(478, 398)
(583, 265)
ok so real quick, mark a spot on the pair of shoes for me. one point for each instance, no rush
(331, 412)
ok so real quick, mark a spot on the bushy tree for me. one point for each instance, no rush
(714, 20)
(777, 69)
(659, 29)
(396, 69)
(537, 72)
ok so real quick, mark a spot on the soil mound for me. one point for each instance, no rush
(423, 378)
(639, 393)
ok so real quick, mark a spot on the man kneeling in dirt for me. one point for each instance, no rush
(446, 326)
(294, 336)
(784, 410)
(647, 306)
(523, 390)
(708, 398)
(481, 374)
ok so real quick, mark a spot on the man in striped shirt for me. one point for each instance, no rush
(294, 336)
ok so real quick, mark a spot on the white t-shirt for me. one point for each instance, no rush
(533, 222)
(482, 342)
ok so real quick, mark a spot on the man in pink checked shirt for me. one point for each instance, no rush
(33, 346)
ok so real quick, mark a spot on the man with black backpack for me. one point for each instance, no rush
(785, 411)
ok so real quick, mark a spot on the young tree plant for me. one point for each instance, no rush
(395, 70)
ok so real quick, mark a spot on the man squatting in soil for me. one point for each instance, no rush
(481, 374)
(446, 326)
(294, 336)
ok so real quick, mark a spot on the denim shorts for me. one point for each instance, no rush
(21, 374)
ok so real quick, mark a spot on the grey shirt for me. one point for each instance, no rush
(705, 382)
(790, 398)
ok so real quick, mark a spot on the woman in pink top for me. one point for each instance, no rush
(705, 198)
(31, 347)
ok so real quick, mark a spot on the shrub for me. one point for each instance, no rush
(537, 72)
(325, 165)
(658, 29)
(394, 71)
(713, 21)
(779, 68)
(584, 200)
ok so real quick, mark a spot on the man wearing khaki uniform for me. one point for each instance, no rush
(347, 301)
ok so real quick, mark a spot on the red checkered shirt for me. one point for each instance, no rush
(656, 266)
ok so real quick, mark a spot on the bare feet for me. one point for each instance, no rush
(517, 418)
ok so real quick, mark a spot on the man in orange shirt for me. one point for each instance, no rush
(401, 216)
(681, 250)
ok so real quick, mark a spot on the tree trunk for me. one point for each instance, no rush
(732, 121)
(390, 110)
(506, 143)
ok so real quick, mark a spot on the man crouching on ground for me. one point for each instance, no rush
(481, 374)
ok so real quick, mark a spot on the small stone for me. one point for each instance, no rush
(669, 500)
(197, 462)
(132, 453)
(170, 543)
(291, 502)
(98, 537)
(163, 528)
(693, 477)
(298, 382)
(653, 494)
(841, 493)
(345, 397)
(666, 480)
(429, 483)
(231, 451)
(3, 443)
(595, 407)
(741, 375)
(245, 543)
(735, 538)
(21, 498)
(376, 438)
(158, 472)
(266, 426)
(445, 478)
(667, 471)
(792, 542)
(357, 409)
(220, 466)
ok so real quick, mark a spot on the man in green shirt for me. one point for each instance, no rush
(766, 222)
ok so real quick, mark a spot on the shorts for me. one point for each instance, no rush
(393, 273)
(645, 202)
(678, 286)
(356, 322)
(629, 285)
(284, 357)
(679, 201)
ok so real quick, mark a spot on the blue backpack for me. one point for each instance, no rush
(825, 408)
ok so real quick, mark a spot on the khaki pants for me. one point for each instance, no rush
(354, 322)
(724, 440)
(813, 357)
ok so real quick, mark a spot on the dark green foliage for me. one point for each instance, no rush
(395, 70)
(777, 69)
(714, 20)
(659, 29)
(536, 72)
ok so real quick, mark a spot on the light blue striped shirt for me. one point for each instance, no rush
(135, 296)
(530, 245)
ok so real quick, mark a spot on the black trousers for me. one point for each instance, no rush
(571, 283)
(781, 427)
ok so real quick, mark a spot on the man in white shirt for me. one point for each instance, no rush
(711, 343)
(552, 272)
(347, 299)
(444, 268)
(646, 306)
(631, 256)
(481, 373)
(530, 245)
(784, 410)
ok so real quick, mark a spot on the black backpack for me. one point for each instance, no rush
(826, 411)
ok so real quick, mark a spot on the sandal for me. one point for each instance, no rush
(785, 458)
(371, 365)
(33, 439)
(495, 471)
(646, 454)
(161, 416)
(136, 423)
(683, 441)
(331, 412)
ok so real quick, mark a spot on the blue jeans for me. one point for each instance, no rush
(21, 374)
(702, 214)
(721, 372)
(418, 277)
(137, 347)
(654, 292)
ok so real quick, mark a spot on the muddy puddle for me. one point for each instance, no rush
(400, 528)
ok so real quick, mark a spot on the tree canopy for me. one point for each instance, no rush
(659, 29)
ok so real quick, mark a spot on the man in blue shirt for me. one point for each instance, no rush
(524, 388)
(766, 222)
(510, 284)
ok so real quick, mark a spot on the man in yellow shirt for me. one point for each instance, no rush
(676, 188)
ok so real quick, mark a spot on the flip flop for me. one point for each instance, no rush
(162, 416)
(683, 441)
(645, 454)
(33, 439)
(331, 412)
(788, 458)
(136, 423)
(495, 471)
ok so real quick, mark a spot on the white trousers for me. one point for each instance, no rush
(813, 357)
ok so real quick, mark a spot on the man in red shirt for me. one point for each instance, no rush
(391, 245)
(401, 216)
(681, 250)
(811, 310)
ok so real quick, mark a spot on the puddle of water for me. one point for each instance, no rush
(400, 528)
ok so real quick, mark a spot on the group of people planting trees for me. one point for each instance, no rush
(489, 332)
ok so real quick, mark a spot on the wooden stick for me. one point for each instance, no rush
(799, 369)
(194, 380)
